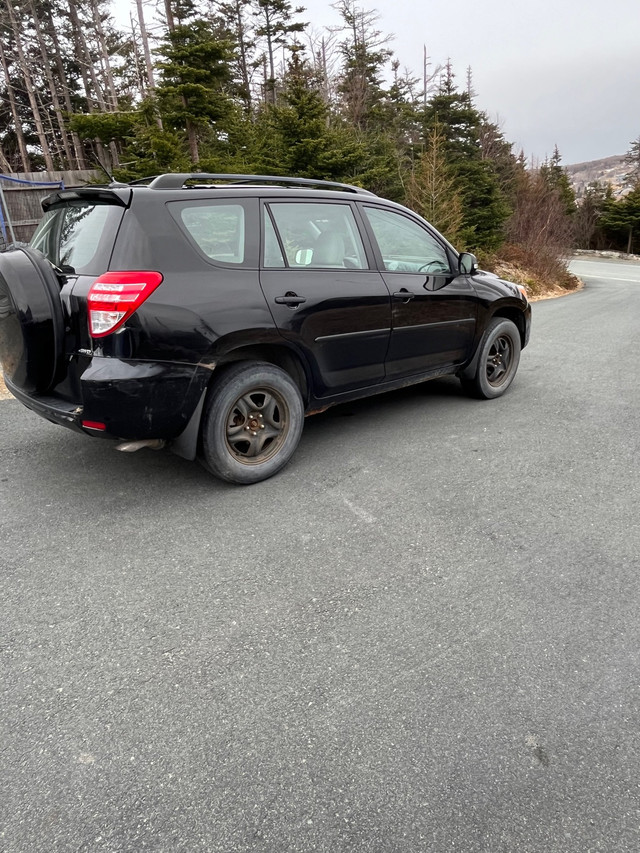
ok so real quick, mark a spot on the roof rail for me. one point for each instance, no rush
(140, 181)
(177, 180)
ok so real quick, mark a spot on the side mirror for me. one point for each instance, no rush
(467, 263)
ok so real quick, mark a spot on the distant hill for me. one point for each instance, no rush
(608, 170)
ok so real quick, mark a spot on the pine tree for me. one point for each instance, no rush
(632, 160)
(431, 190)
(620, 221)
(364, 55)
(556, 176)
(195, 70)
(276, 26)
(485, 204)
(235, 14)
(295, 136)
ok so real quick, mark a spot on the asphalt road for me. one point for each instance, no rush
(422, 636)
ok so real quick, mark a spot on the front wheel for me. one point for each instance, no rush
(252, 423)
(497, 362)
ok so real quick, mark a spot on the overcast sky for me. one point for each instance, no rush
(563, 72)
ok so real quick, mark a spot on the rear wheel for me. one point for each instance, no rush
(252, 423)
(497, 362)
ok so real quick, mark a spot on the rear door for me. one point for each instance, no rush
(434, 308)
(324, 296)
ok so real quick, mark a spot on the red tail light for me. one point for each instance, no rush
(115, 296)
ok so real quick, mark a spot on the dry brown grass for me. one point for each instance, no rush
(544, 276)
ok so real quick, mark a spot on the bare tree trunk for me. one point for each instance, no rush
(4, 163)
(242, 47)
(147, 55)
(24, 155)
(104, 54)
(57, 52)
(272, 68)
(83, 57)
(265, 78)
(142, 86)
(26, 73)
(145, 47)
(89, 79)
(169, 14)
(325, 76)
(54, 148)
(193, 137)
(52, 86)
(115, 154)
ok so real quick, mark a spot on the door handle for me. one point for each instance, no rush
(291, 299)
(403, 294)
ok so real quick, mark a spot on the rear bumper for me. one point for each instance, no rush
(133, 400)
(54, 409)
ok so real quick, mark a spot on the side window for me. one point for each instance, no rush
(404, 245)
(218, 229)
(318, 236)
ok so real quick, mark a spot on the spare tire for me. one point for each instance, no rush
(31, 321)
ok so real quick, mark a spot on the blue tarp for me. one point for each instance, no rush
(33, 183)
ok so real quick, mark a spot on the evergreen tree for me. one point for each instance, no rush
(431, 189)
(296, 137)
(632, 160)
(485, 205)
(235, 14)
(191, 92)
(620, 221)
(557, 178)
(364, 55)
(276, 26)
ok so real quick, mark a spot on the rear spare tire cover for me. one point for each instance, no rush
(31, 321)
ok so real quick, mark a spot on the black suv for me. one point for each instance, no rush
(211, 313)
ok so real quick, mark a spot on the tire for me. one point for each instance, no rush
(31, 321)
(497, 361)
(252, 423)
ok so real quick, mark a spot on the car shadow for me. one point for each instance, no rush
(391, 402)
(94, 468)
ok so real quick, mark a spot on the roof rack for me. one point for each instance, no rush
(177, 180)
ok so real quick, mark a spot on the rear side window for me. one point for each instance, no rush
(218, 229)
(78, 235)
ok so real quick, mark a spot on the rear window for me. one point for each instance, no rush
(216, 227)
(79, 235)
